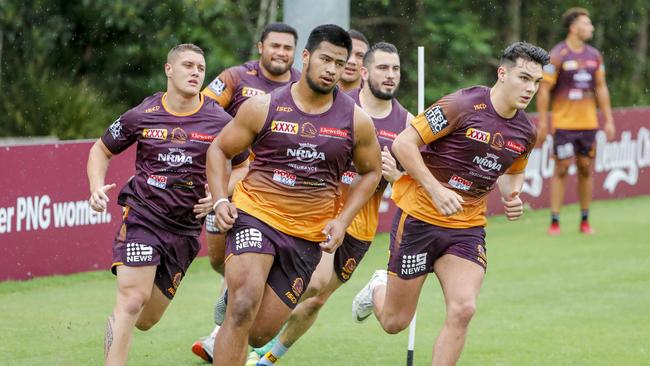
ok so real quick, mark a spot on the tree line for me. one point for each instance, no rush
(70, 67)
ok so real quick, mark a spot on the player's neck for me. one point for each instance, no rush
(178, 103)
(375, 107)
(498, 103)
(308, 101)
(277, 78)
(574, 43)
(347, 87)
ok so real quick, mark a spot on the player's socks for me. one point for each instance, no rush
(584, 215)
(220, 308)
(555, 218)
(271, 357)
(267, 347)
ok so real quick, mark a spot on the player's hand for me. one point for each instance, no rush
(513, 206)
(204, 206)
(225, 215)
(389, 166)
(447, 201)
(98, 199)
(610, 130)
(334, 231)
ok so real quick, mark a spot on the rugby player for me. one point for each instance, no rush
(351, 78)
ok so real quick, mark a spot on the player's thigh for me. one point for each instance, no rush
(153, 309)
(216, 250)
(584, 164)
(272, 314)
(134, 283)
(322, 276)
(246, 276)
(460, 280)
(402, 296)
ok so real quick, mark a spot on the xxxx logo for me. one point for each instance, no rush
(155, 133)
(478, 135)
(284, 127)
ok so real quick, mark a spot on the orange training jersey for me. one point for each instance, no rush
(468, 146)
(299, 160)
(573, 77)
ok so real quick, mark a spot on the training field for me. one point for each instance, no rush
(568, 300)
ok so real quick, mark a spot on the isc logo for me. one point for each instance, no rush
(480, 107)
(478, 135)
(284, 109)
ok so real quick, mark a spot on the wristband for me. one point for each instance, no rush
(214, 207)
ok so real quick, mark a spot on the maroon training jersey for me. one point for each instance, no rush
(468, 146)
(364, 225)
(170, 163)
(236, 84)
(299, 160)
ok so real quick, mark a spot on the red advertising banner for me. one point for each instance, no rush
(47, 227)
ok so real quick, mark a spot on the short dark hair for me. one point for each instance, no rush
(571, 15)
(184, 47)
(279, 28)
(369, 57)
(525, 51)
(329, 33)
(355, 34)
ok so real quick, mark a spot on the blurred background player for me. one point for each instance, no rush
(381, 76)
(351, 78)
(283, 213)
(573, 82)
(454, 154)
(277, 46)
(166, 199)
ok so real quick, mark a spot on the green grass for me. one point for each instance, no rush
(568, 300)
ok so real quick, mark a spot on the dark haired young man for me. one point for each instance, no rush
(351, 77)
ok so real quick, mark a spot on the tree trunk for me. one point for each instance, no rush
(514, 14)
(640, 50)
(261, 22)
(273, 11)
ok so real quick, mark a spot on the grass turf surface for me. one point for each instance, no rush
(567, 300)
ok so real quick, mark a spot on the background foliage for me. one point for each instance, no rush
(69, 67)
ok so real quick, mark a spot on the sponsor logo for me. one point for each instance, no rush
(591, 64)
(251, 92)
(248, 238)
(291, 297)
(333, 132)
(310, 169)
(436, 119)
(175, 157)
(176, 280)
(387, 134)
(158, 181)
(487, 163)
(136, 252)
(314, 182)
(575, 94)
(178, 136)
(515, 147)
(565, 151)
(481, 256)
(152, 109)
(460, 183)
(480, 107)
(251, 72)
(348, 177)
(217, 86)
(478, 174)
(298, 286)
(478, 135)
(155, 133)
(283, 177)
(181, 184)
(308, 130)
(570, 65)
(306, 153)
(582, 76)
(413, 264)
(284, 127)
(348, 268)
(497, 141)
(285, 109)
(195, 136)
(115, 128)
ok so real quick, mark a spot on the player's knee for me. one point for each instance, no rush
(132, 302)
(241, 309)
(217, 265)
(146, 323)
(584, 170)
(561, 171)
(461, 313)
(395, 325)
(259, 338)
(313, 305)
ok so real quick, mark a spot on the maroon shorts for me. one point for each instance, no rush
(569, 143)
(140, 243)
(348, 256)
(295, 258)
(416, 245)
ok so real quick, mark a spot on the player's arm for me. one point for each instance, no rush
(510, 186)
(366, 157)
(389, 168)
(238, 173)
(96, 168)
(543, 103)
(235, 137)
(604, 103)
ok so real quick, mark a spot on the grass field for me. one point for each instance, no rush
(568, 300)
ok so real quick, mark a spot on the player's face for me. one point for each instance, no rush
(383, 75)
(351, 72)
(186, 72)
(583, 28)
(276, 52)
(521, 82)
(324, 66)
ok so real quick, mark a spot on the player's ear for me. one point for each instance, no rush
(168, 70)
(364, 73)
(259, 47)
(501, 73)
(305, 57)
